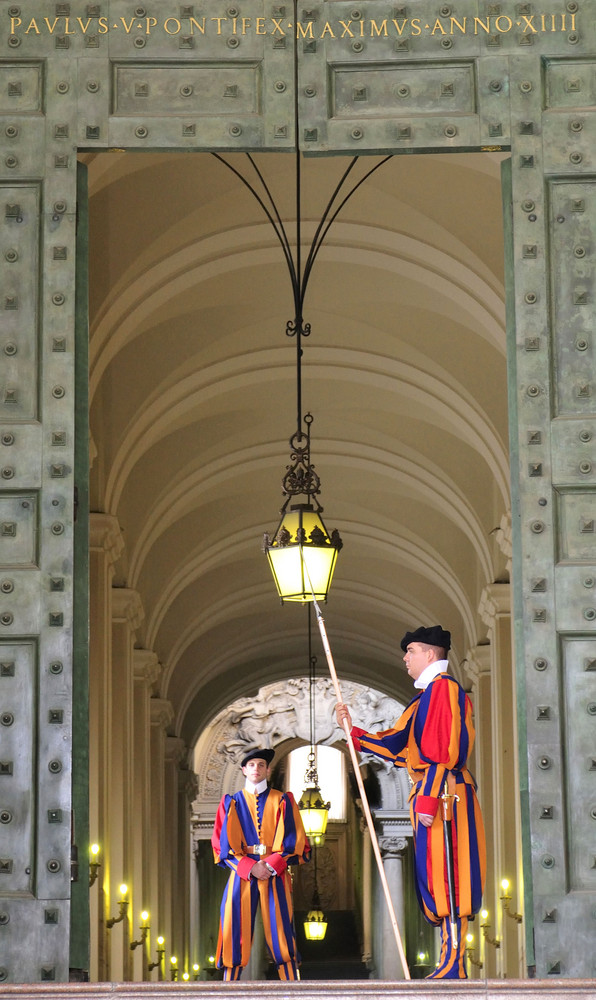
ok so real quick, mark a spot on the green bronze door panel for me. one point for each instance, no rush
(554, 230)
(372, 77)
(37, 248)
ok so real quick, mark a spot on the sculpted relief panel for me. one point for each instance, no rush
(280, 713)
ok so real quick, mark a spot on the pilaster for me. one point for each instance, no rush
(105, 547)
(505, 855)
(127, 614)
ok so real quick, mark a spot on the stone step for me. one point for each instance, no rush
(471, 989)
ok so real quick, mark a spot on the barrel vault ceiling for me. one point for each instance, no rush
(193, 402)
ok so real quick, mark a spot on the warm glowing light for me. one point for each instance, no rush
(470, 938)
(301, 567)
(94, 850)
(315, 926)
(160, 940)
(421, 956)
(123, 890)
(173, 960)
(185, 976)
(505, 884)
(145, 916)
(196, 967)
(314, 813)
(484, 914)
(211, 959)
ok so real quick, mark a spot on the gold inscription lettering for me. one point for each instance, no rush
(327, 30)
(102, 24)
(302, 32)
(150, 22)
(455, 23)
(346, 30)
(378, 30)
(260, 28)
(15, 22)
(67, 30)
(478, 22)
(193, 23)
(218, 21)
(508, 22)
(51, 27)
(127, 27)
(175, 22)
(84, 27)
(32, 26)
(246, 21)
(529, 24)
(437, 26)
(277, 26)
(399, 28)
(416, 29)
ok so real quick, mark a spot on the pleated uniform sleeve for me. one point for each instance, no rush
(389, 744)
(444, 735)
(227, 838)
(290, 843)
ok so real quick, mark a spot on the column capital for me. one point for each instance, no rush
(175, 750)
(495, 601)
(127, 606)
(188, 782)
(478, 662)
(392, 846)
(504, 537)
(146, 665)
(105, 533)
(162, 712)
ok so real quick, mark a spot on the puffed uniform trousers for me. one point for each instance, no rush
(237, 921)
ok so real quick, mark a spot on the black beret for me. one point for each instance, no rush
(434, 635)
(267, 755)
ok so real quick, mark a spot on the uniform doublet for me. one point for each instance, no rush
(433, 739)
(249, 828)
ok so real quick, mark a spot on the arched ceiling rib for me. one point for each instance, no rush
(193, 390)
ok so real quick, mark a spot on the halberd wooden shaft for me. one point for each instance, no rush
(360, 783)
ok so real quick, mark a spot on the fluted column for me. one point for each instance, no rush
(146, 672)
(188, 788)
(175, 753)
(479, 673)
(127, 614)
(505, 858)
(105, 546)
(392, 849)
(162, 715)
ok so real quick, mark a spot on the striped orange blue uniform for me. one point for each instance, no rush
(235, 838)
(433, 739)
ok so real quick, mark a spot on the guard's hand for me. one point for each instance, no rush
(259, 870)
(342, 712)
(425, 818)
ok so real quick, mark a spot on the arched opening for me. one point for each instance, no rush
(191, 408)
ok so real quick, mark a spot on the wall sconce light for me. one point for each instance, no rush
(144, 929)
(160, 952)
(173, 969)
(196, 969)
(210, 958)
(484, 927)
(506, 899)
(123, 907)
(94, 864)
(470, 952)
(185, 976)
